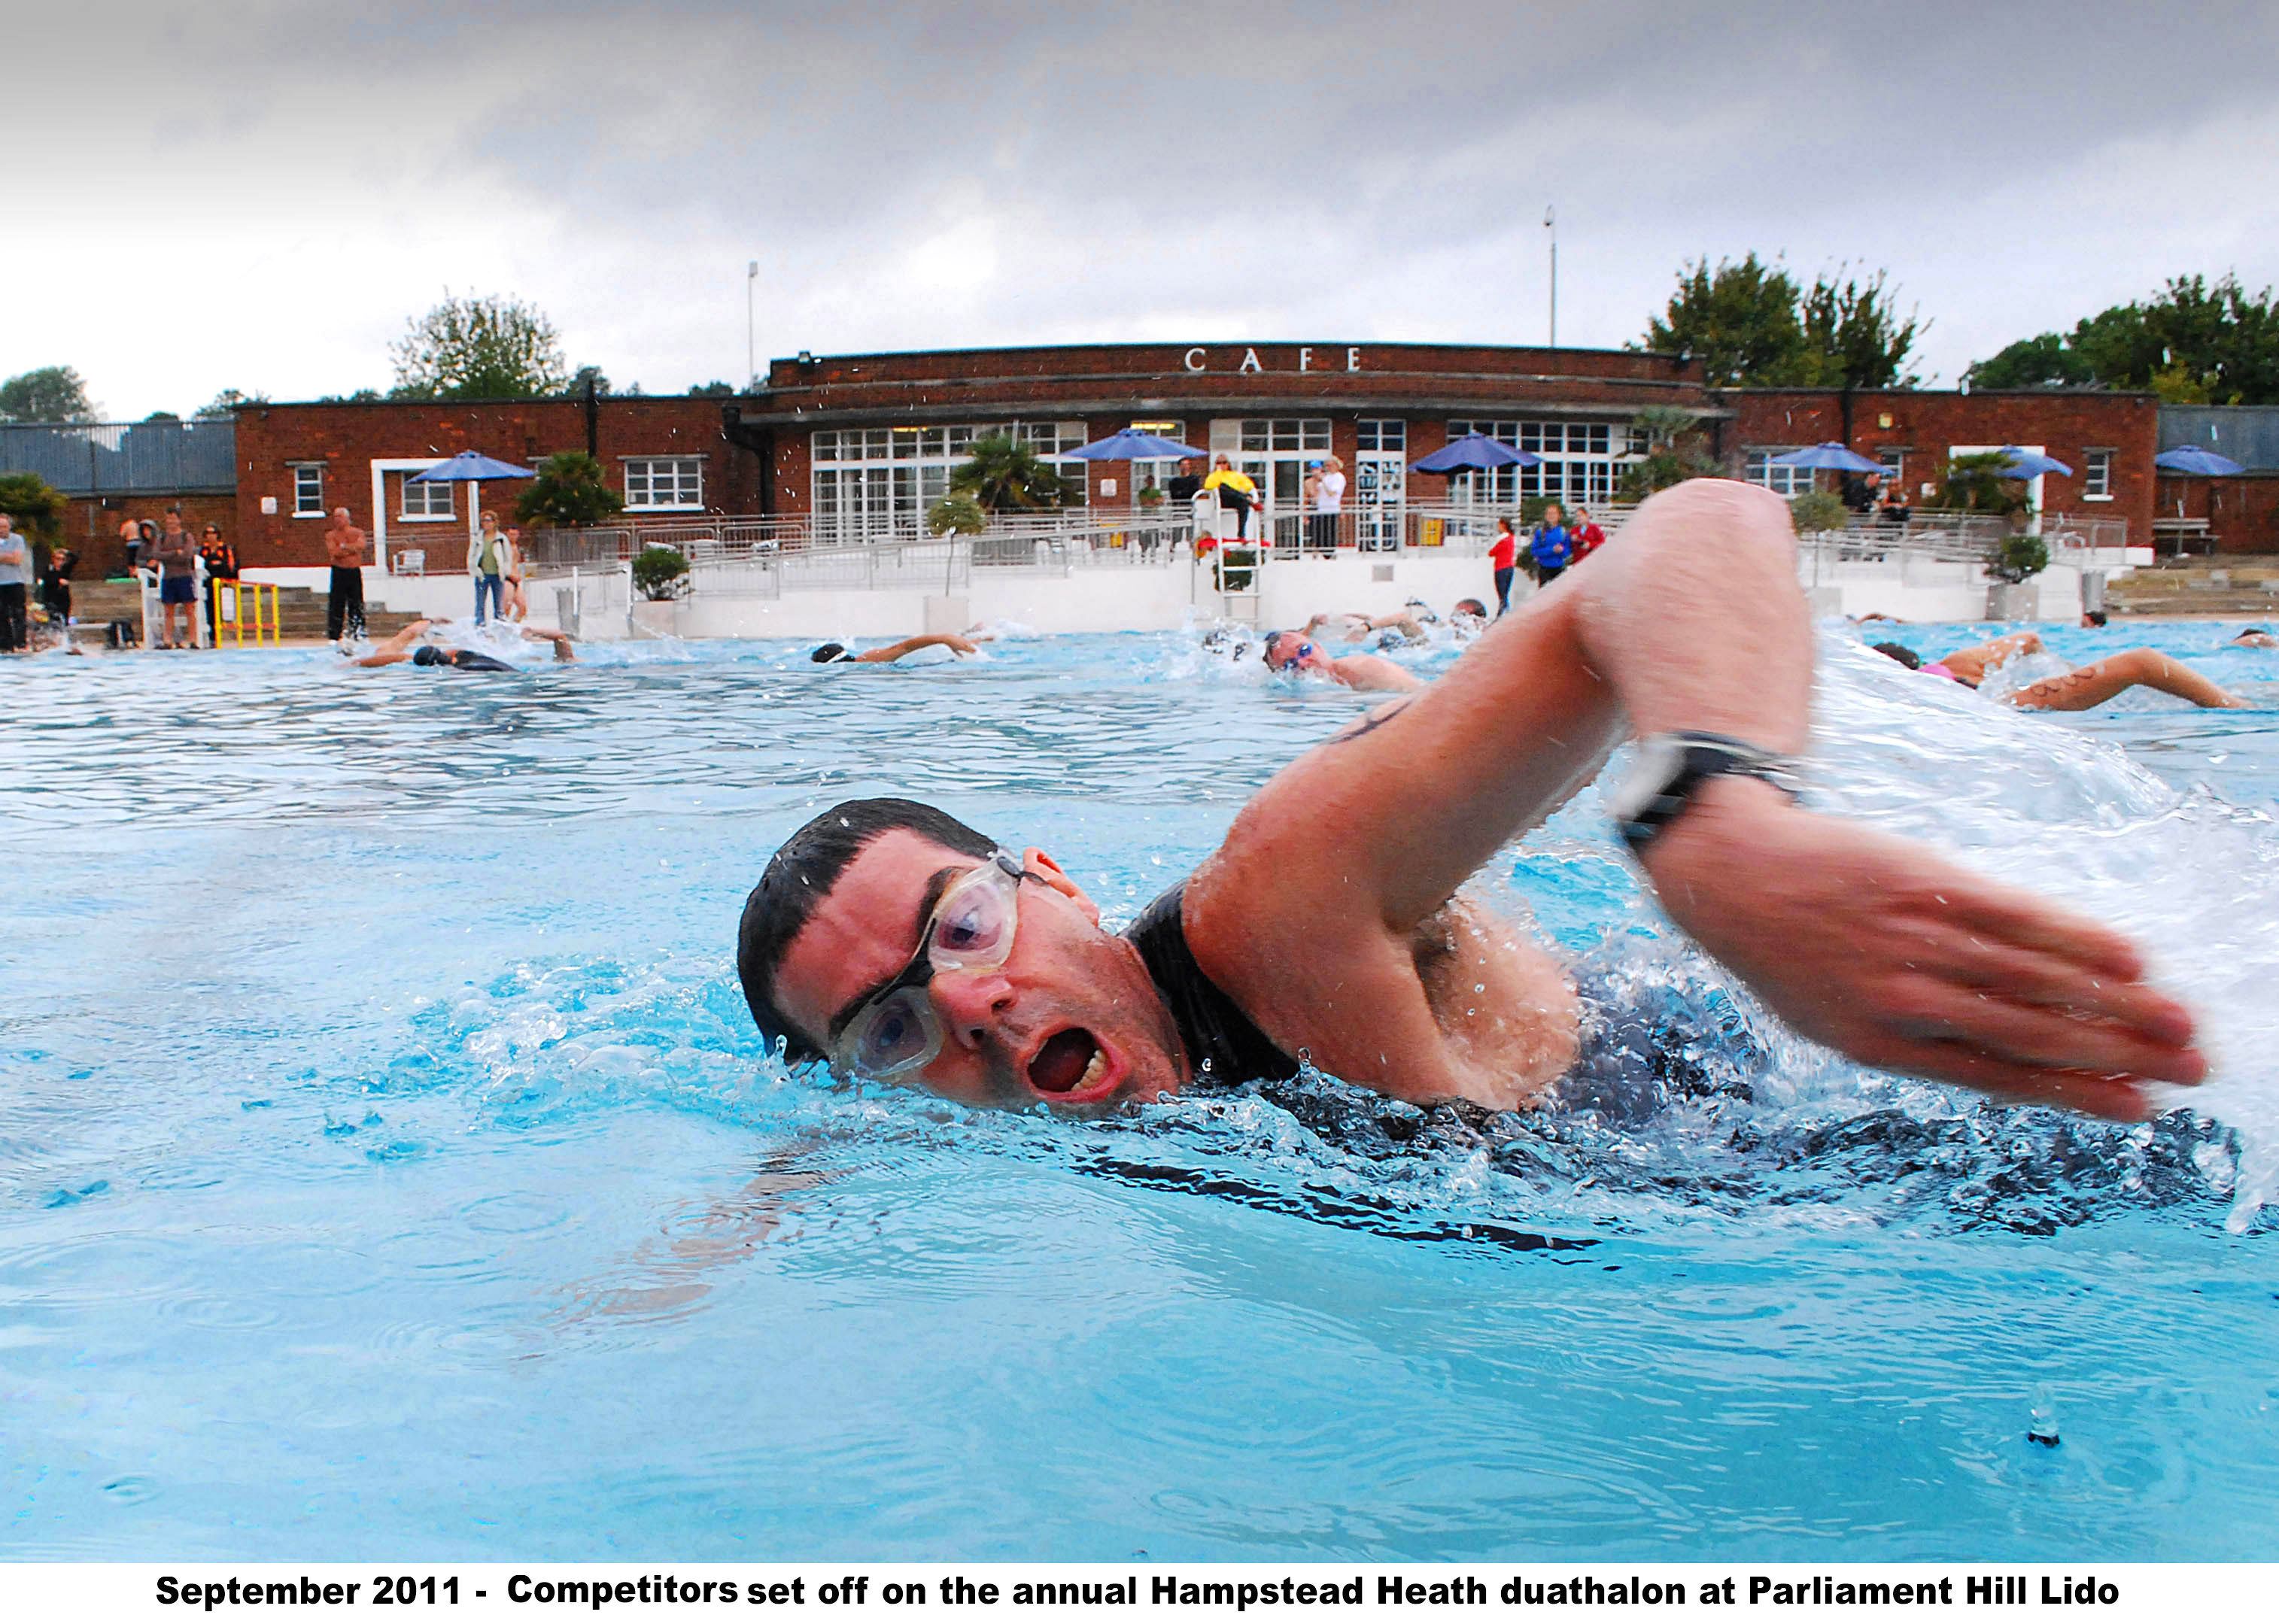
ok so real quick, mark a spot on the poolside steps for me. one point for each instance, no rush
(2242, 585)
(300, 611)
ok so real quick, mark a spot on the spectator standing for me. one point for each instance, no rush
(145, 553)
(1182, 486)
(130, 541)
(220, 560)
(15, 575)
(487, 561)
(344, 606)
(1328, 500)
(1552, 548)
(517, 607)
(1309, 492)
(1586, 536)
(177, 560)
(1504, 556)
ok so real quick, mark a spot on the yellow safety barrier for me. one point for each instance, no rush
(241, 605)
(1433, 531)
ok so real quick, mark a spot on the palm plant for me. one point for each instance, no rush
(1006, 476)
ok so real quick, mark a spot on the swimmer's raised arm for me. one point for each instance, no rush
(564, 652)
(950, 640)
(1309, 915)
(397, 649)
(1971, 665)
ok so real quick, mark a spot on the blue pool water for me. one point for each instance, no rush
(387, 1166)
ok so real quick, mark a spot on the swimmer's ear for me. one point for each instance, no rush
(1036, 862)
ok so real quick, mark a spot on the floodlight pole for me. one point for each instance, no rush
(751, 328)
(1551, 224)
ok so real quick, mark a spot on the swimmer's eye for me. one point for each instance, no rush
(973, 924)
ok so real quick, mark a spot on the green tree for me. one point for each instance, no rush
(716, 388)
(1673, 454)
(586, 375)
(1818, 511)
(956, 515)
(1750, 323)
(1854, 338)
(2193, 341)
(1006, 476)
(36, 507)
(1973, 483)
(486, 347)
(571, 489)
(46, 395)
(361, 394)
(660, 572)
(228, 401)
(1741, 321)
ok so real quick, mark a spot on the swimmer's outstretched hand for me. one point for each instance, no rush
(1880, 948)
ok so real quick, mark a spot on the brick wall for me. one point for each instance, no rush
(347, 437)
(2242, 512)
(2067, 424)
(91, 529)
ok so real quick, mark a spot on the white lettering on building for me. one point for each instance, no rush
(1305, 358)
(1195, 359)
(1250, 363)
(1353, 358)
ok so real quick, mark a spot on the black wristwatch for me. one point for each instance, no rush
(1671, 766)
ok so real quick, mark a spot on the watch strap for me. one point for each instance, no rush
(1699, 757)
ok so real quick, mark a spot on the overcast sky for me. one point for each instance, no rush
(258, 195)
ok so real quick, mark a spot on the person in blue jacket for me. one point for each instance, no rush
(1551, 547)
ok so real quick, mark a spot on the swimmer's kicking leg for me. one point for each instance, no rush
(1309, 915)
(2090, 686)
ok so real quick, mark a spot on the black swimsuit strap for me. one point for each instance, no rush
(1223, 1045)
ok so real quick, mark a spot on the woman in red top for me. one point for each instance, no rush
(1587, 537)
(1501, 556)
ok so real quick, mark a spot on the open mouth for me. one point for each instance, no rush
(1069, 1064)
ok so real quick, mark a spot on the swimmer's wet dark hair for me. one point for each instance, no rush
(2096, 617)
(801, 874)
(1266, 649)
(1900, 652)
(827, 653)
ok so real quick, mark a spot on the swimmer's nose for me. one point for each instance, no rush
(969, 1002)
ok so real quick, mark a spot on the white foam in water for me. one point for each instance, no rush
(2025, 797)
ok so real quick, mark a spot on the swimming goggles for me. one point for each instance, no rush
(1304, 650)
(971, 928)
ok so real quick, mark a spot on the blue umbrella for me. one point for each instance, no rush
(2029, 464)
(1473, 451)
(2192, 460)
(1122, 448)
(470, 466)
(1827, 454)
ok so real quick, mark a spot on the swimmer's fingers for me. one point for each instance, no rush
(2038, 1036)
(2035, 976)
(1992, 911)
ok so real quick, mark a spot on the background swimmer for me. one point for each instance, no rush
(1293, 650)
(398, 650)
(2084, 688)
(839, 654)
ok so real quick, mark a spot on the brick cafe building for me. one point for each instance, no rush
(848, 440)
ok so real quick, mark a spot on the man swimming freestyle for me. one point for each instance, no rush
(405, 648)
(903, 946)
(1287, 651)
(839, 654)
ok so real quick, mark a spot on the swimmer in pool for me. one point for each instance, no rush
(1287, 651)
(405, 648)
(1402, 628)
(839, 654)
(902, 945)
(2084, 688)
(2255, 637)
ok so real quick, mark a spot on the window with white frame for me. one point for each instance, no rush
(1286, 434)
(654, 482)
(2096, 476)
(426, 500)
(1581, 461)
(866, 481)
(1379, 479)
(1894, 459)
(308, 490)
(1778, 477)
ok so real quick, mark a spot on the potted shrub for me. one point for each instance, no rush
(2012, 596)
(661, 577)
